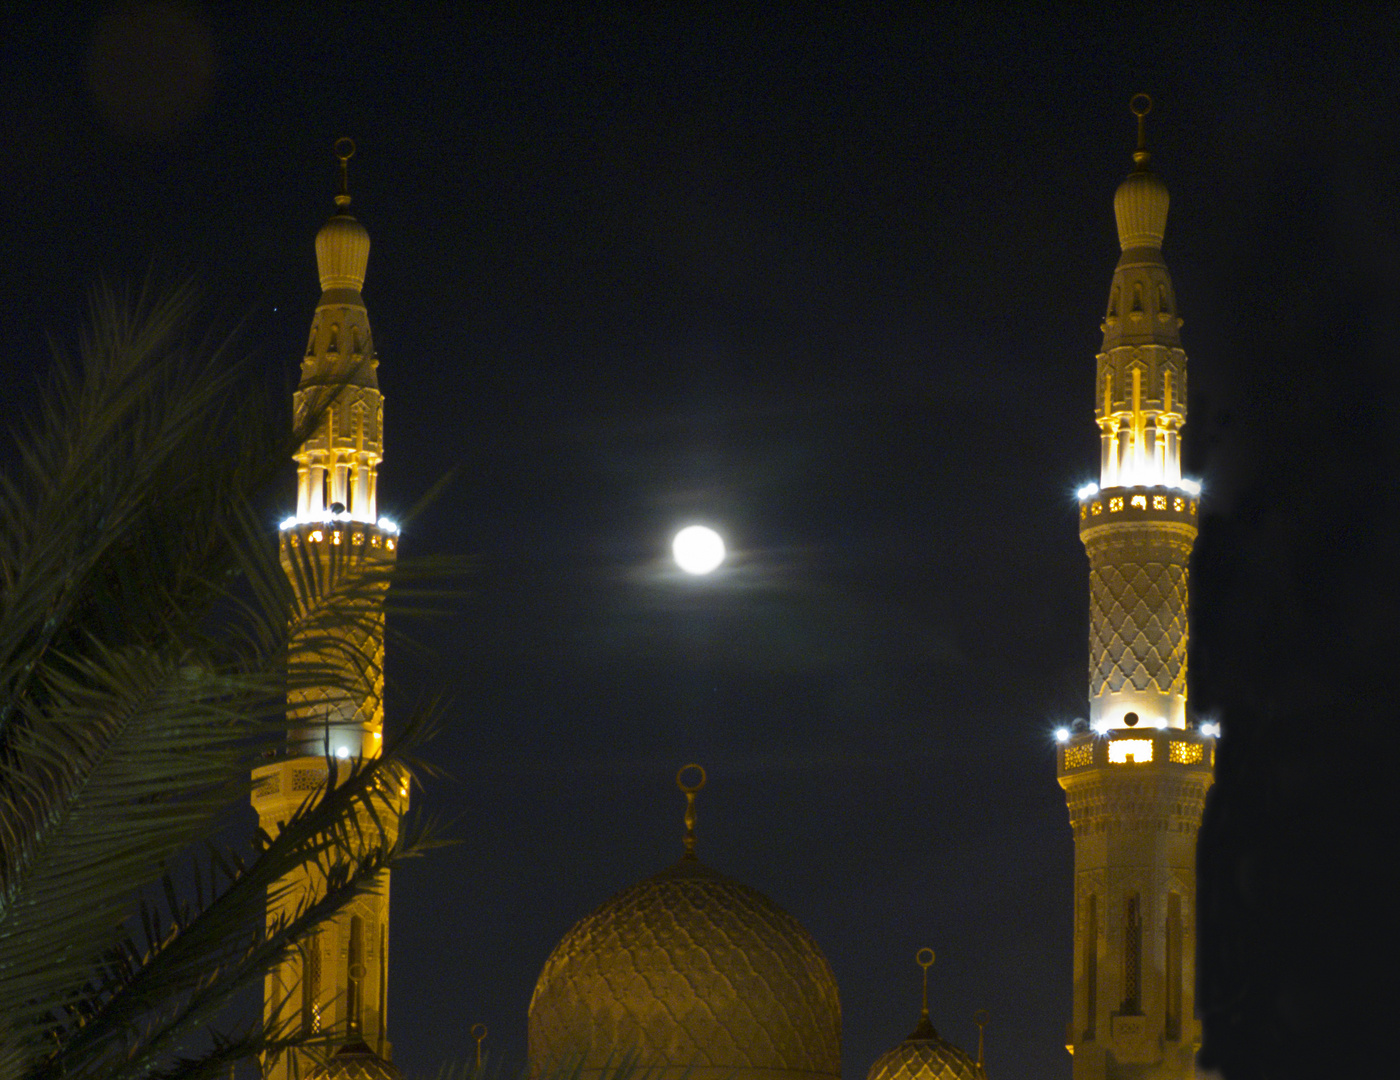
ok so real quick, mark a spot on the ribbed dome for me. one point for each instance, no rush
(1140, 205)
(342, 253)
(925, 1055)
(695, 975)
(356, 1061)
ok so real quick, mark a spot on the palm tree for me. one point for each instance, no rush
(144, 670)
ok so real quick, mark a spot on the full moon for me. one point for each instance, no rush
(698, 550)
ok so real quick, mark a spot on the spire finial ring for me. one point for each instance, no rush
(693, 769)
(981, 1018)
(1140, 105)
(344, 150)
(479, 1034)
(924, 958)
(690, 788)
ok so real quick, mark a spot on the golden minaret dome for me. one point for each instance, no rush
(689, 974)
(356, 1061)
(342, 245)
(1140, 203)
(925, 1055)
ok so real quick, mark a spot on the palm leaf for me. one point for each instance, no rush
(145, 662)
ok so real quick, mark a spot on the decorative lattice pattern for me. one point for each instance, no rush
(1185, 753)
(1076, 757)
(308, 779)
(688, 970)
(356, 1062)
(1137, 627)
(925, 1056)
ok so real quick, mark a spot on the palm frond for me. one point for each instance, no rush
(146, 659)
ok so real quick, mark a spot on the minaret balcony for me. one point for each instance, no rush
(1160, 751)
(342, 535)
(1103, 507)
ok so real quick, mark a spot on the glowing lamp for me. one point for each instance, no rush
(1088, 491)
(1062, 734)
(1130, 751)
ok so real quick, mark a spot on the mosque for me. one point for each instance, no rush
(689, 974)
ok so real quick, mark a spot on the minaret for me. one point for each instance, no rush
(334, 545)
(1136, 778)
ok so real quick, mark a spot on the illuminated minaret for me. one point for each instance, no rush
(1136, 778)
(334, 545)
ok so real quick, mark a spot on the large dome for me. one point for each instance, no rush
(925, 1055)
(691, 974)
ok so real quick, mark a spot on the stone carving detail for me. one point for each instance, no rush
(1137, 620)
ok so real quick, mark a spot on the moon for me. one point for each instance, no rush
(698, 549)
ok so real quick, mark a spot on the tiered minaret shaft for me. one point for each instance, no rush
(336, 552)
(1136, 779)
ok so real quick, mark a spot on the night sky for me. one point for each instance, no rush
(834, 286)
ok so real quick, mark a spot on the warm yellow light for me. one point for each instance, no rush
(1130, 751)
(1184, 753)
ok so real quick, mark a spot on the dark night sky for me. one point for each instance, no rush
(835, 286)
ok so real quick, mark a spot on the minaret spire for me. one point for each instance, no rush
(1136, 779)
(691, 788)
(335, 546)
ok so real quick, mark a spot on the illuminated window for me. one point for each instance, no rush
(295, 540)
(1130, 751)
(1115, 504)
(335, 537)
(357, 538)
(1096, 508)
(1159, 502)
(1076, 757)
(1184, 753)
(1193, 506)
(1083, 512)
(389, 544)
(374, 541)
(316, 537)
(1178, 504)
(1139, 502)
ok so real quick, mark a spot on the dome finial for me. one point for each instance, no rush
(479, 1034)
(981, 1018)
(1141, 105)
(344, 150)
(924, 958)
(690, 789)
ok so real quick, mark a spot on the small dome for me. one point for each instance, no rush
(1140, 205)
(693, 975)
(925, 1055)
(356, 1061)
(342, 253)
